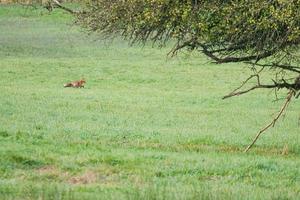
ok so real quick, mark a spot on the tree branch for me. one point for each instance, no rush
(58, 5)
(235, 59)
(294, 90)
(283, 108)
(278, 85)
(285, 67)
(248, 90)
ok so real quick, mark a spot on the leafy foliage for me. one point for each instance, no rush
(226, 31)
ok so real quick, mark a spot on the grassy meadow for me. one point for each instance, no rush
(146, 126)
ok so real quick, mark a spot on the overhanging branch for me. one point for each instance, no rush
(55, 3)
(293, 88)
(285, 67)
(229, 59)
(259, 86)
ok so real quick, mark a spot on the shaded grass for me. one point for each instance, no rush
(144, 127)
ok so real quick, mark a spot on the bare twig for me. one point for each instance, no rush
(283, 108)
(229, 59)
(246, 81)
(59, 5)
(277, 85)
(293, 88)
(255, 87)
(234, 92)
(284, 67)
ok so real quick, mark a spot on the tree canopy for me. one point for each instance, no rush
(265, 34)
(224, 30)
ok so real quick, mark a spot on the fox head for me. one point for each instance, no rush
(82, 81)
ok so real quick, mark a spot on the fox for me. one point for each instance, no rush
(76, 84)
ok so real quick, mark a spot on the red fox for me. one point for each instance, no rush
(76, 84)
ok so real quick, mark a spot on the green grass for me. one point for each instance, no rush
(144, 127)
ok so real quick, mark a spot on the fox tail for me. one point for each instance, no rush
(68, 85)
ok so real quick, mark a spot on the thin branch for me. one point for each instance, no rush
(294, 90)
(285, 67)
(295, 87)
(283, 108)
(233, 93)
(248, 90)
(229, 59)
(57, 4)
(279, 85)
(178, 46)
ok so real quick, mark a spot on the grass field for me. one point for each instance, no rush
(144, 127)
